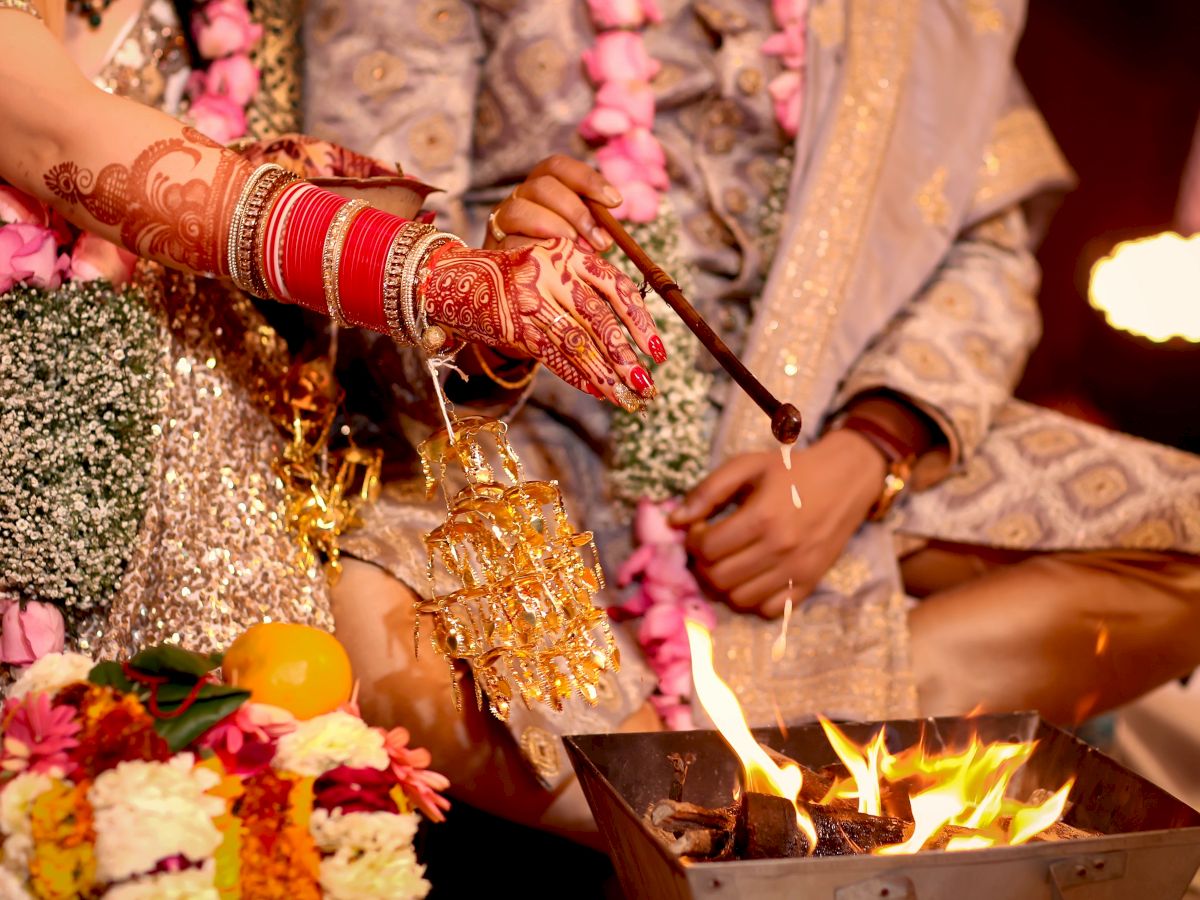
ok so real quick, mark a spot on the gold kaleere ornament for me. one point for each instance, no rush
(324, 490)
(523, 619)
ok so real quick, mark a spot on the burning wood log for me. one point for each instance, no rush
(767, 829)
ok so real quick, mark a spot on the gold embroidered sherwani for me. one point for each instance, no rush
(901, 260)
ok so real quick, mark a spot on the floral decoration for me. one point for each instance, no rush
(664, 452)
(152, 779)
(217, 96)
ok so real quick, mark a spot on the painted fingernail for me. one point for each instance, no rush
(657, 350)
(591, 389)
(611, 197)
(630, 402)
(642, 383)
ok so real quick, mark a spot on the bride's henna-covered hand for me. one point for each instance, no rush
(556, 301)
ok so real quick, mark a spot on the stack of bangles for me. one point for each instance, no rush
(299, 243)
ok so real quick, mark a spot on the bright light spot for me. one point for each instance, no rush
(1151, 287)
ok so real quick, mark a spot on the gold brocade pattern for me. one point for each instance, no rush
(931, 199)
(213, 554)
(798, 317)
(275, 108)
(1020, 153)
(827, 22)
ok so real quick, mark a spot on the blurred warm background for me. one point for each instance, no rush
(1119, 83)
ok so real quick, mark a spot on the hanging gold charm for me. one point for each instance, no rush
(523, 618)
(324, 490)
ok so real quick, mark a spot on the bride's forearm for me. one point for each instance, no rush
(124, 171)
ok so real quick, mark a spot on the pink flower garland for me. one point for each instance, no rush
(225, 33)
(632, 159)
(629, 155)
(787, 88)
(668, 595)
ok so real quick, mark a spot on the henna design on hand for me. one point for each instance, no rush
(552, 300)
(174, 203)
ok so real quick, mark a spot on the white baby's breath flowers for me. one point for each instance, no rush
(148, 811)
(80, 372)
(328, 741)
(664, 451)
(51, 673)
(189, 884)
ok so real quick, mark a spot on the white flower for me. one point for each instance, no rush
(348, 875)
(189, 884)
(12, 887)
(326, 742)
(16, 802)
(148, 811)
(52, 673)
(363, 831)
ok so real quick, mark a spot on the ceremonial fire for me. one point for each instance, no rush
(876, 801)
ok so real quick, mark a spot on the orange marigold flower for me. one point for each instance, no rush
(278, 856)
(116, 728)
(64, 862)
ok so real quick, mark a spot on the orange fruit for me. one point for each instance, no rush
(301, 669)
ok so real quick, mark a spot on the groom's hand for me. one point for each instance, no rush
(547, 204)
(749, 557)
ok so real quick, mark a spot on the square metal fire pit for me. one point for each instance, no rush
(1149, 848)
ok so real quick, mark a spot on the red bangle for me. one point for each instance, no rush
(312, 215)
(360, 278)
(272, 261)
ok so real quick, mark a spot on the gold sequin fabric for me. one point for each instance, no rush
(213, 555)
(151, 64)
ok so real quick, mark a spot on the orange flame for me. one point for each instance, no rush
(762, 774)
(965, 789)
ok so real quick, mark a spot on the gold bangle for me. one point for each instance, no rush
(393, 274)
(259, 187)
(21, 6)
(258, 268)
(331, 257)
(503, 382)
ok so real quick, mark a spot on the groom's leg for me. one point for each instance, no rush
(1069, 634)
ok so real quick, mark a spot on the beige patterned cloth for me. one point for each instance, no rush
(901, 260)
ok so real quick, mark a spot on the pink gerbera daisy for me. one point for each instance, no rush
(38, 736)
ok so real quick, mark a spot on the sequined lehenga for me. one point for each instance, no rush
(151, 513)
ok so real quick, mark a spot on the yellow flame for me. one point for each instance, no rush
(1150, 287)
(762, 774)
(966, 789)
(1033, 820)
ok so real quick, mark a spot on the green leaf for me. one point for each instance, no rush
(199, 717)
(170, 695)
(110, 674)
(170, 660)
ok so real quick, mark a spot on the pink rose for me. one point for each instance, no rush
(224, 27)
(788, 45)
(29, 254)
(624, 13)
(93, 257)
(235, 77)
(218, 117)
(26, 635)
(620, 107)
(640, 204)
(619, 56)
(676, 715)
(789, 12)
(787, 92)
(17, 206)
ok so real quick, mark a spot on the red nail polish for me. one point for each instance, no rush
(591, 389)
(657, 350)
(640, 379)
